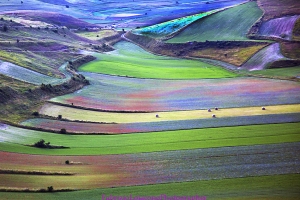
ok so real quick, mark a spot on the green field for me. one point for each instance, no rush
(231, 24)
(280, 72)
(15, 138)
(274, 187)
(131, 60)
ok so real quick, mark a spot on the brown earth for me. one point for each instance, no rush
(279, 8)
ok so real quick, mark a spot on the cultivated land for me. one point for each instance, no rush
(134, 123)
(128, 57)
(222, 25)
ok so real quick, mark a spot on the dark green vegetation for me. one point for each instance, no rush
(231, 24)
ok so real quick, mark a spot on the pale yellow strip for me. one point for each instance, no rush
(109, 117)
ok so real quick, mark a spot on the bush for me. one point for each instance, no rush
(50, 189)
(40, 144)
(63, 131)
(67, 162)
(35, 114)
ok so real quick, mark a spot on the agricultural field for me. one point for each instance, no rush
(263, 58)
(89, 110)
(279, 27)
(231, 24)
(130, 94)
(124, 63)
(170, 27)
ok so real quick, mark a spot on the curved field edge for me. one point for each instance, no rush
(262, 187)
(231, 24)
(70, 113)
(13, 140)
(30, 76)
(169, 27)
(86, 128)
(130, 60)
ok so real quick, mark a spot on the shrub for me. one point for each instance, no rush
(59, 117)
(35, 114)
(50, 189)
(67, 162)
(63, 131)
(40, 144)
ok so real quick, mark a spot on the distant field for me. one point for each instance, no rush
(139, 63)
(13, 140)
(279, 27)
(98, 35)
(279, 8)
(230, 24)
(130, 94)
(169, 27)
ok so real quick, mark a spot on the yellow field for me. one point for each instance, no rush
(109, 117)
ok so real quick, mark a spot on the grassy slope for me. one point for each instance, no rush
(281, 72)
(275, 187)
(169, 27)
(231, 24)
(109, 117)
(139, 63)
(14, 138)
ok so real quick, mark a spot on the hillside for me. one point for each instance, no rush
(231, 24)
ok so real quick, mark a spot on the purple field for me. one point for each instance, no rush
(263, 58)
(279, 27)
(130, 94)
(83, 127)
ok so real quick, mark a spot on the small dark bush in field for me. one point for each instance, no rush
(4, 27)
(263, 108)
(70, 63)
(63, 131)
(216, 108)
(18, 40)
(55, 31)
(2, 19)
(50, 189)
(40, 144)
(67, 6)
(67, 162)
(59, 116)
(39, 28)
(209, 110)
(157, 116)
(21, 1)
(97, 35)
(35, 114)
(213, 116)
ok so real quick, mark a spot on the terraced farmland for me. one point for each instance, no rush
(123, 63)
(231, 24)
